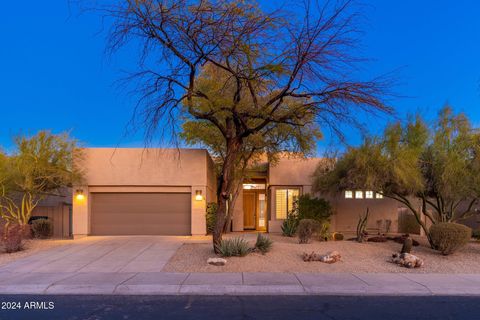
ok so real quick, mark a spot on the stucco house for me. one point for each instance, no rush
(135, 191)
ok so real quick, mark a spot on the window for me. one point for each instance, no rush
(254, 186)
(379, 195)
(358, 194)
(284, 199)
(348, 194)
(368, 194)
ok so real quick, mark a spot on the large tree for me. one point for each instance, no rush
(267, 144)
(432, 170)
(283, 70)
(40, 166)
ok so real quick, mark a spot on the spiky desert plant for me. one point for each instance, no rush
(263, 243)
(233, 247)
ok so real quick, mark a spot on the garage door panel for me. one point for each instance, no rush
(141, 213)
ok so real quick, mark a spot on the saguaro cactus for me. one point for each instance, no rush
(407, 245)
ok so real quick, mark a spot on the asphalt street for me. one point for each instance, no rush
(237, 307)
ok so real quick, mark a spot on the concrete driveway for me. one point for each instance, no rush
(102, 254)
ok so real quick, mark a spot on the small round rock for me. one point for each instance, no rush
(217, 261)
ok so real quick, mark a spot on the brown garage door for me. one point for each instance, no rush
(140, 214)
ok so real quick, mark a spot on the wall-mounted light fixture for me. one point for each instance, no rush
(79, 195)
(198, 195)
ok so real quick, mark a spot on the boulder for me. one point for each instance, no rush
(217, 261)
(407, 260)
(330, 257)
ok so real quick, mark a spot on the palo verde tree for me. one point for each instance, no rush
(40, 166)
(268, 142)
(432, 170)
(281, 70)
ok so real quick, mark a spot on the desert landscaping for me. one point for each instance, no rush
(286, 256)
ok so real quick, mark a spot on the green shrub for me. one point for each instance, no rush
(306, 228)
(211, 216)
(289, 225)
(233, 247)
(324, 231)
(263, 243)
(313, 208)
(337, 236)
(448, 237)
(42, 228)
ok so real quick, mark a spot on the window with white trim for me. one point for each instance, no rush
(358, 194)
(379, 195)
(348, 194)
(368, 194)
(284, 200)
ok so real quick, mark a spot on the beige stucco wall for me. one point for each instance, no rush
(288, 172)
(138, 166)
(292, 171)
(347, 212)
(145, 170)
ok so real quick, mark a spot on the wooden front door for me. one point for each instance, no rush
(249, 210)
(254, 210)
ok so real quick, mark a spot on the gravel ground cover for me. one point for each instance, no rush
(286, 256)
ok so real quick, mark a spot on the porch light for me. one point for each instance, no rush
(198, 195)
(79, 195)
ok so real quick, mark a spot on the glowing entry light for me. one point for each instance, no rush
(79, 195)
(198, 195)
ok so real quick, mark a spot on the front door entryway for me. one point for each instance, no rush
(254, 210)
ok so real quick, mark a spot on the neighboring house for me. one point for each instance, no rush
(165, 192)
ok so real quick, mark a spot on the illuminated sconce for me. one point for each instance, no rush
(79, 195)
(198, 195)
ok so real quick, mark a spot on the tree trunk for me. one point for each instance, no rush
(232, 203)
(418, 215)
(225, 189)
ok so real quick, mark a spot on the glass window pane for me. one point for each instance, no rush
(358, 194)
(379, 196)
(262, 214)
(254, 186)
(292, 197)
(348, 194)
(369, 194)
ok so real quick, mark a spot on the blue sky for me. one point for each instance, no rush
(54, 73)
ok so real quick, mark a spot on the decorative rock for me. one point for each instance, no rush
(217, 261)
(407, 260)
(330, 257)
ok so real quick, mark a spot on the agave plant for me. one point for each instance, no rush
(263, 243)
(233, 247)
